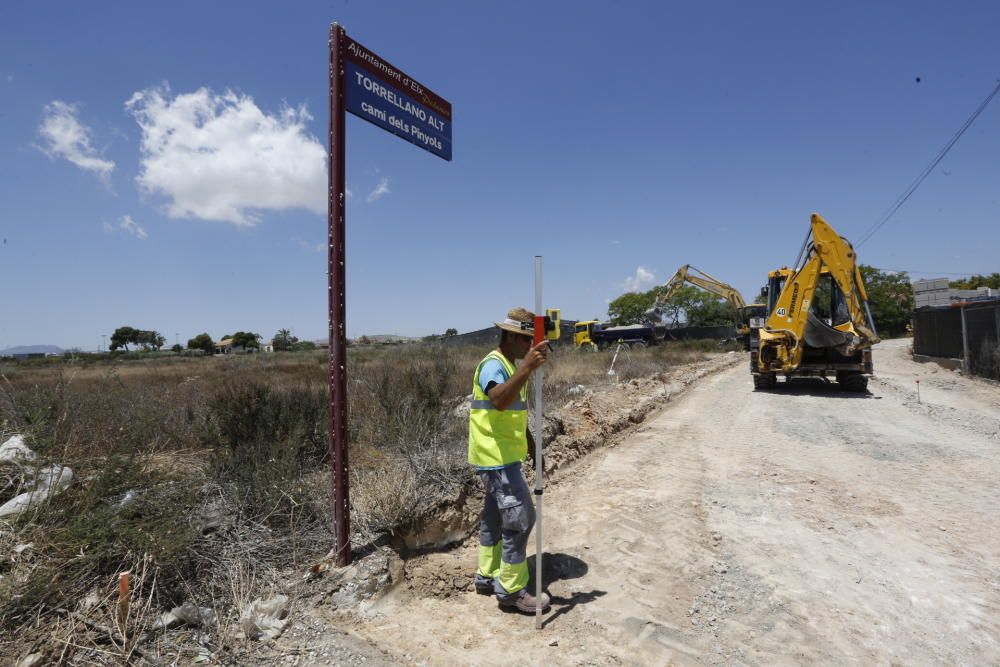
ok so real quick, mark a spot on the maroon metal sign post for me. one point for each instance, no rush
(371, 88)
(337, 310)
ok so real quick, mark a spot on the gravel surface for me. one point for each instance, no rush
(799, 526)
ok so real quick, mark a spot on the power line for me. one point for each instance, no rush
(935, 273)
(877, 225)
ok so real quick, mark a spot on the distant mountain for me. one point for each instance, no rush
(31, 349)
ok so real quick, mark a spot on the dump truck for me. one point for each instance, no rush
(818, 322)
(593, 335)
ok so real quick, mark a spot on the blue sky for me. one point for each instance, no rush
(617, 139)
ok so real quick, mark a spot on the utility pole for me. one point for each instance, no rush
(104, 337)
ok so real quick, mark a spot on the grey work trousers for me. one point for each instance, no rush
(507, 519)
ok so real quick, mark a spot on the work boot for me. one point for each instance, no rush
(484, 585)
(524, 601)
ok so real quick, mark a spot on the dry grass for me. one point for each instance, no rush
(209, 475)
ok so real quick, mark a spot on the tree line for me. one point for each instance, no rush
(143, 339)
(977, 281)
(147, 340)
(693, 306)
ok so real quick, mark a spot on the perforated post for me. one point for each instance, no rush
(337, 304)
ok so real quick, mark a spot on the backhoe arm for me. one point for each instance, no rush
(718, 288)
(839, 257)
(698, 278)
(781, 341)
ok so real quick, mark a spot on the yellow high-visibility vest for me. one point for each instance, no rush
(497, 437)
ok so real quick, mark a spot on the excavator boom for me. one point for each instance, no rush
(698, 278)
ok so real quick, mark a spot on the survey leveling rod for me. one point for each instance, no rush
(540, 335)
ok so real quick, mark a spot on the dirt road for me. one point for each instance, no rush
(800, 526)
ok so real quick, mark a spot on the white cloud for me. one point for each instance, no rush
(129, 226)
(642, 279)
(64, 136)
(305, 245)
(108, 228)
(381, 189)
(220, 157)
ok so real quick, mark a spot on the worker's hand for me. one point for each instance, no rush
(537, 355)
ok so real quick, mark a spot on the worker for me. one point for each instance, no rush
(499, 441)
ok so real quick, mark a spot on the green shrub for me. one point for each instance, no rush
(262, 438)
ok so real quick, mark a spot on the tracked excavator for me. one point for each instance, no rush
(746, 317)
(818, 321)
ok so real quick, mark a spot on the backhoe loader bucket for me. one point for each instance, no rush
(820, 334)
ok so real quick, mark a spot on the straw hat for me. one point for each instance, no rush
(519, 321)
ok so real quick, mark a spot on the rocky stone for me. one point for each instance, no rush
(367, 578)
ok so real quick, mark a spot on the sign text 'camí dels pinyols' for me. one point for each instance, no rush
(387, 97)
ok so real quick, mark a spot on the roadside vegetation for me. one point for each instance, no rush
(208, 477)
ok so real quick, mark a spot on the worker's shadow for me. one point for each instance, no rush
(815, 387)
(557, 567)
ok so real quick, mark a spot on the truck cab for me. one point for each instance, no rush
(583, 334)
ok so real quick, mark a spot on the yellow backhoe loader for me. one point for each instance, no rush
(818, 322)
(746, 317)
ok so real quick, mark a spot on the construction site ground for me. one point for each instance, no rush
(799, 526)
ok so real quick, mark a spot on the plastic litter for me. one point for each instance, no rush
(13, 450)
(192, 614)
(21, 548)
(48, 482)
(189, 614)
(265, 619)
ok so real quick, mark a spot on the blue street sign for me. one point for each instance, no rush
(372, 98)
(385, 96)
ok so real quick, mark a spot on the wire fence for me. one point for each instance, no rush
(970, 332)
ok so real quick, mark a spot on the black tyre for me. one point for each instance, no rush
(765, 381)
(855, 382)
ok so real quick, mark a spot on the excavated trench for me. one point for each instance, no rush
(595, 420)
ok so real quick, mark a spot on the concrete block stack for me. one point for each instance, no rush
(930, 292)
(935, 292)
